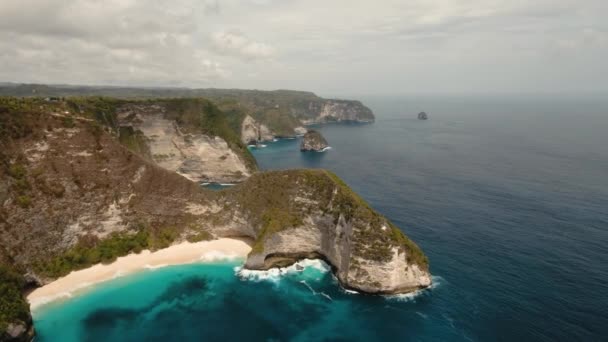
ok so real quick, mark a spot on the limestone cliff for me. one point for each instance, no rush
(313, 214)
(191, 153)
(336, 111)
(313, 141)
(253, 132)
(280, 111)
(76, 192)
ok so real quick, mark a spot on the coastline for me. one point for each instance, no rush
(183, 253)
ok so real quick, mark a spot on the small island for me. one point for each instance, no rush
(313, 141)
(422, 116)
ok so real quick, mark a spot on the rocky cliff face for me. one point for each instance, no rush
(253, 132)
(280, 111)
(313, 141)
(76, 193)
(190, 153)
(312, 214)
(336, 111)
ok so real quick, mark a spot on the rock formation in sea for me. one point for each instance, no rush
(422, 116)
(313, 141)
(86, 180)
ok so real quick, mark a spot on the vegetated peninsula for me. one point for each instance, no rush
(87, 179)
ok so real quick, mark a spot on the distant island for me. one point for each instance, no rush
(422, 116)
(86, 179)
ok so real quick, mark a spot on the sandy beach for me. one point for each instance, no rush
(183, 253)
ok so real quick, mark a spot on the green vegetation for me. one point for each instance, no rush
(134, 140)
(199, 236)
(24, 201)
(91, 250)
(268, 199)
(13, 307)
(273, 221)
(68, 122)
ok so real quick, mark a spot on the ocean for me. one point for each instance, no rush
(507, 196)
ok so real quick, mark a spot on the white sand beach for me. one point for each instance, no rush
(183, 253)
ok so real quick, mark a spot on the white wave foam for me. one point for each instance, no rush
(227, 184)
(315, 292)
(218, 256)
(325, 149)
(350, 291)
(153, 267)
(275, 140)
(38, 302)
(406, 297)
(275, 274)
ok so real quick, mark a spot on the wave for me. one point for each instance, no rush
(407, 297)
(41, 301)
(315, 292)
(325, 149)
(219, 256)
(275, 274)
(154, 267)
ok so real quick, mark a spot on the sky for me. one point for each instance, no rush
(329, 47)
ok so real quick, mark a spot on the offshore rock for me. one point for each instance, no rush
(313, 141)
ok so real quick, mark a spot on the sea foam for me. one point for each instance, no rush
(275, 274)
(406, 297)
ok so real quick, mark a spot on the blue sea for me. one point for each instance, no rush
(507, 195)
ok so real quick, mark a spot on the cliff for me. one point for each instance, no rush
(79, 185)
(313, 141)
(280, 112)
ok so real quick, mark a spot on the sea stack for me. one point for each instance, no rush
(422, 116)
(313, 141)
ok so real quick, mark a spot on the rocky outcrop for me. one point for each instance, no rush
(338, 111)
(422, 116)
(313, 141)
(253, 132)
(312, 214)
(194, 155)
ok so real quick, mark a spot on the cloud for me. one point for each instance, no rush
(337, 46)
(237, 44)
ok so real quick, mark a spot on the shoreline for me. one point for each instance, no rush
(183, 253)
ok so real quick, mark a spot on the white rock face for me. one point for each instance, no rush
(252, 131)
(338, 111)
(320, 237)
(197, 157)
(300, 130)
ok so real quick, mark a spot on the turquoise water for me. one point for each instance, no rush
(214, 302)
(508, 197)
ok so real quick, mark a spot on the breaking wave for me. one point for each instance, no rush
(313, 268)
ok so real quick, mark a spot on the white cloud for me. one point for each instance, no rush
(237, 44)
(323, 46)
